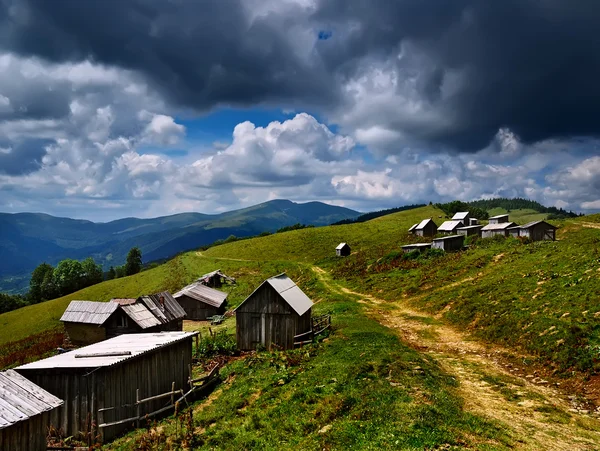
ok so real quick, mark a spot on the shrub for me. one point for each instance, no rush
(219, 343)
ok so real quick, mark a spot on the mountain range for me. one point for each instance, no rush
(28, 239)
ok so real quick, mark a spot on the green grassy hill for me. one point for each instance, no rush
(365, 387)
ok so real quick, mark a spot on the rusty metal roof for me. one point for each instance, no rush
(140, 315)
(21, 399)
(166, 311)
(110, 352)
(89, 312)
(450, 226)
(202, 293)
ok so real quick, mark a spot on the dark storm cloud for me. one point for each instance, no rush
(22, 158)
(529, 65)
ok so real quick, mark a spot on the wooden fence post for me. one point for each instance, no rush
(173, 393)
(137, 407)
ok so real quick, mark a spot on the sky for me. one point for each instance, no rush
(153, 107)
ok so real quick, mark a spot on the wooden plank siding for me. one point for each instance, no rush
(27, 435)
(266, 319)
(198, 310)
(87, 390)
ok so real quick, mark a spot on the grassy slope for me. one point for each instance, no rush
(521, 216)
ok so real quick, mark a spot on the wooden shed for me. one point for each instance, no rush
(499, 219)
(342, 250)
(416, 247)
(470, 230)
(272, 315)
(425, 228)
(25, 411)
(496, 229)
(215, 279)
(449, 243)
(101, 383)
(200, 301)
(535, 231)
(462, 216)
(450, 227)
(165, 308)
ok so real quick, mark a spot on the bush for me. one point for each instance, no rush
(391, 257)
(219, 343)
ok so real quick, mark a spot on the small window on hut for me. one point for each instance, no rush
(122, 321)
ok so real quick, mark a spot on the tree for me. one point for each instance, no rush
(120, 272)
(111, 273)
(133, 265)
(41, 284)
(92, 273)
(68, 276)
(10, 302)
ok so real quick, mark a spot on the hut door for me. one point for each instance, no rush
(256, 330)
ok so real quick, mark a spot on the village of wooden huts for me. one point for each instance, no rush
(342, 250)
(102, 384)
(273, 315)
(25, 411)
(89, 322)
(200, 301)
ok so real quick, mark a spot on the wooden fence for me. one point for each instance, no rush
(319, 324)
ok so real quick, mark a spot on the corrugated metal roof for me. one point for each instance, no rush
(123, 301)
(449, 226)
(89, 312)
(340, 246)
(166, 311)
(21, 399)
(421, 225)
(136, 344)
(533, 223)
(499, 226)
(460, 215)
(140, 315)
(499, 216)
(202, 293)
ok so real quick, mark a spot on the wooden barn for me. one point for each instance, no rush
(200, 301)
(462, 216)
(450, 227)
(25, 411)
(535, 231)
(215, 279)
(449, 243)
(424, 228)
(496, 229)
(416, 247)
(101, 383)
(342, 250)
(272, 315)
(470, 230)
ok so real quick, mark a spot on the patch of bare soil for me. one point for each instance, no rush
(537, 416)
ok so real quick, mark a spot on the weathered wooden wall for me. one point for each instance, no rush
(27, 435)
(85, 334)
(430, 229)
(266, 319)
(197, 310)
(449, 245)
(84, 391)
(539, 232)
(491, 233)
(113, 325)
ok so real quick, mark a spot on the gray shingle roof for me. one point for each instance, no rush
(140, 315)
(166, 311)
(202, 293)
(89, 312)
(21, 399)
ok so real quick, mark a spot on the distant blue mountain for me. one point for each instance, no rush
(28, 239)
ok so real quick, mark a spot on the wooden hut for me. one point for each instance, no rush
(470, 230)
(496, 229)
(535, 231)
(215, 279)
(499, 219)
(462, 216)
(25, 411)
(200, 301)
(101, 383)
(425, 228)
(449, 243)
(89, 322)
(166, 309)
(342, 250)
(450, 227)
(416, 247)
(272, 315)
